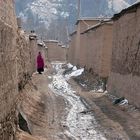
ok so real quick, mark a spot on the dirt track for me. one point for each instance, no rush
(47, 113)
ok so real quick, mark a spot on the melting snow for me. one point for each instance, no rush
(74, 73)
(74, 68)
(69, 65)
(80, 126)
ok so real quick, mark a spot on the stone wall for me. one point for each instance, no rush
(125, 73)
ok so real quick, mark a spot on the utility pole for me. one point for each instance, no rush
(79, 8)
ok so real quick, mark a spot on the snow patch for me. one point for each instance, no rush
(80, 126)
(69, 65)
(74, 73)
(74, 68)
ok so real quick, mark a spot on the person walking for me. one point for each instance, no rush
(40, 63)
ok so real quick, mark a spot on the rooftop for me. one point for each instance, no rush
(130, 9)
(110, 22)
(92, 19)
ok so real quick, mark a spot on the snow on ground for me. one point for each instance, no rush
(74, 73)
(69, 65)
(81, 126)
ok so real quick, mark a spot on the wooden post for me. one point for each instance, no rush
(79, 8)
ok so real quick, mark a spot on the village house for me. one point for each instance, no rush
(56, 51)
(124, 79)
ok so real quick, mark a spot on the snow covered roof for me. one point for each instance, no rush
(92, 19)
(97, 25)
(130, 9)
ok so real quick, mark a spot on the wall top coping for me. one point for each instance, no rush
(98, 25)
(130, 9)
(91, 19)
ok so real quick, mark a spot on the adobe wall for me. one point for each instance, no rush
(8, 82)
(17, 63)
(106, 51)
(55, 52)
(26, 55)
(7, 12)
(125, 72)
(82, 26)
(96, 49)
(94, 45)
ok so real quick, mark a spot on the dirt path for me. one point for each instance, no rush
(117, 123)
(57, 110)
(43, 109)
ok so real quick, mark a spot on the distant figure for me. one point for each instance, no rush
(40, 63)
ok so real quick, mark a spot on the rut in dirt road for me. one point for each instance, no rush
(79, 125)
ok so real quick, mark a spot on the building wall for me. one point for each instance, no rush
(15, 68)
(8, 81)
(125, 72)
(72, 49)
(55, 51)
(33, 48)
(96, 49)
(26, 55)
(94, 45)
(7, 13)
(106, 51)
(82, 26)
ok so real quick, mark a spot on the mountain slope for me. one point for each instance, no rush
(53, 19)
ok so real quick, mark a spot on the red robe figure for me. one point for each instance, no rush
(40, 63)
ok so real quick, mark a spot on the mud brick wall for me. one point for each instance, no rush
(26, 55)
(81, 26)
(55, 51)
(125, 73)
(33, 51)
(96, 49)
(71, 49)
(16, 65)
(8, 81)
(7, 12)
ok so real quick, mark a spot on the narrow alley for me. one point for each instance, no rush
(61, 110)
(69, 70)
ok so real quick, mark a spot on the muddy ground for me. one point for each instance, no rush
(47, 113)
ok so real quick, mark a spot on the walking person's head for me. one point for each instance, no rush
(39, 53)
